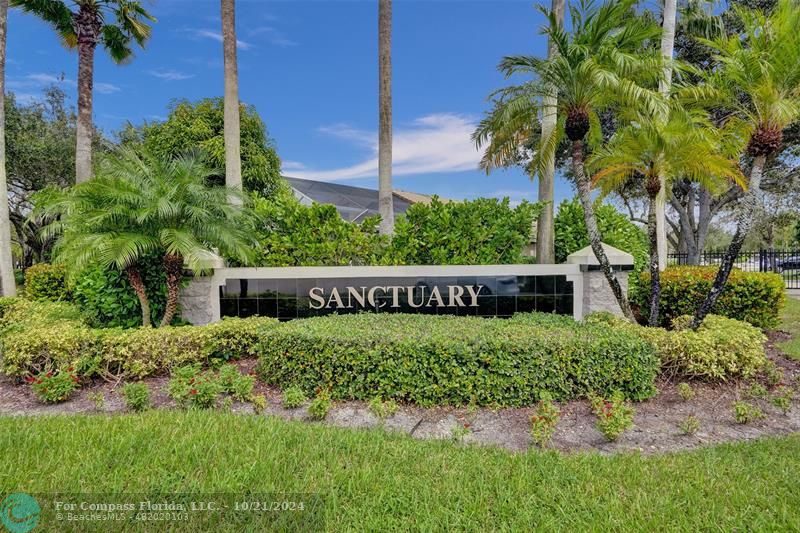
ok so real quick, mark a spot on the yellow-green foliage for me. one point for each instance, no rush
(43, 336)
(753, 297)
(720, 349)
(46, 282)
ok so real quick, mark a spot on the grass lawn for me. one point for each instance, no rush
(371, 480)
(790, 321)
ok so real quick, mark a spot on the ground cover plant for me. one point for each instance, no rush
(790, 322)
(464, 488)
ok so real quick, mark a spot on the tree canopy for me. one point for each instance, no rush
(200, 125)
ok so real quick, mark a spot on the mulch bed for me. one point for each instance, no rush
(656, 421)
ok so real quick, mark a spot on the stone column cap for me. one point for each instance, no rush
(586, 256)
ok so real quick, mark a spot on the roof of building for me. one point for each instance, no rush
(353, 203)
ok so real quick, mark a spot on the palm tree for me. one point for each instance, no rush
(669, 16)
(596, 67)
(233, 158)
(7, 284)
(658, 152)
(545, 229)
(115, 24)
(385, 195)
(758, 80)
(139, 204)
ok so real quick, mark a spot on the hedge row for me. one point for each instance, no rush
(443, 360)
(41, 336)
(722, 348)
(753, 297)
(423, 359)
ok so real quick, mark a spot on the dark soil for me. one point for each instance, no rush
(656, 421)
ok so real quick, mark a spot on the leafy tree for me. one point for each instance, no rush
(116, 24)
(40, 153)
(758, 81)
(653, 150)
(485, 231)
(598, 65)
(141, 204)
(201, 125)
(292, 234)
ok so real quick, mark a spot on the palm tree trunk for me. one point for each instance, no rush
(135, 279)
(8, 285)
(585, 195)
(173, 264)
(655, 271)
(545, 232)
(87, 26)
(667, 47)
(385, 200)
(747, 207)
(233, 159)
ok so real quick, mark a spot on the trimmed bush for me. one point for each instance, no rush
(722, 348)
(37, 337)
(46, 282)
(753, 297)
(444, 360)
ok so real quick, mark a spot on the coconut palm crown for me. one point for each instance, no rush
(138, 205)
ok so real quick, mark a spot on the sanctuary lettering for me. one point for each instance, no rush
(417, 296)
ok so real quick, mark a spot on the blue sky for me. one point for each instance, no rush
(310, 68)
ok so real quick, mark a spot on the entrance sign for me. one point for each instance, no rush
(482, 290)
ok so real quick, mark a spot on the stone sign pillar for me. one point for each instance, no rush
(597, 295)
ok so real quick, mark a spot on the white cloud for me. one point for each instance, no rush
(170, 75)
(515, 196)
(217, 36)
(292, 165)
(272, 35)
(40, 79)
(430, 144)
(106, 88)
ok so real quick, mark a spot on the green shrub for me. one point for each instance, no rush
(235, 383)
(43, 336)
(136, 396)
(616, 230)
(191, 388)
(293, 397)
(320, 405)
(54, 387)
(259, 403)
(744, 412)
(485, 231)
(107, 299)
(98, 399)
(782, 398)
(689, 425)
(614, 415)
(685, 391)
(46, 282)
(382, 409)
(722, 348)
(544, 421)
(432, 360)
(753, 297)
(292, 234)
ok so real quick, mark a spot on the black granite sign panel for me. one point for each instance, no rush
(486, 296)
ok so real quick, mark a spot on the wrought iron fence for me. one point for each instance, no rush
(783, 262)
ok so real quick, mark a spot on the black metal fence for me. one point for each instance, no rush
(783, 262)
